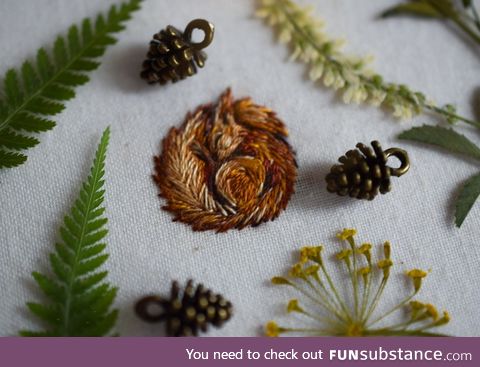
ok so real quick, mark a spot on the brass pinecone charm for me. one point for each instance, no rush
(364, 173)
(186, 314)
(173, 55)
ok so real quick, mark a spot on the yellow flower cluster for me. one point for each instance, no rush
(311, 278)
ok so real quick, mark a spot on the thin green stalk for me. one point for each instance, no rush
(400, 305)
(476, 17)
(335, 325)
(315, 332)
(376, 299)
(351, 241)
(451, 115)
(334, 290)
(403, 325)
(329, 297)
(366, 289)
(366, 293)
(387, 332)
(453, 15)
(466, 28)
(354, 288)
(325, 301)
(315, 300)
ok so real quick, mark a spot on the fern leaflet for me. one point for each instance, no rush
(40, 88)
(79, 299)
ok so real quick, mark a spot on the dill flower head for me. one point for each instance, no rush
(331, 312)
(346, 234)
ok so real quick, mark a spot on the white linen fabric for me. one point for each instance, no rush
(148, 250)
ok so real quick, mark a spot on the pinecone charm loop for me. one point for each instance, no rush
(173, 55)
(186, 314)
(363, 172)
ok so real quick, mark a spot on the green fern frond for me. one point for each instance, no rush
(39, 89)
(80, 299)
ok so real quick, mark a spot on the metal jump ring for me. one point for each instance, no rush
(141, 309)
(205, 26)
(402, 156)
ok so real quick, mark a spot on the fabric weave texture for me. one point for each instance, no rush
(148, 250)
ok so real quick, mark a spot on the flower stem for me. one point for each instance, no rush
(318, 301)
(476, 17)
(451, 115)
(325, 302)
(334, 290)
(387, 332)
(315, 332)
(466, 28)
(448, 11)
(401, 304)
(376, 299)
(329, 298)
(335, 325)
(351, 241)
(366, 295)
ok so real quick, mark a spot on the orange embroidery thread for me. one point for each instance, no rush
(228, 166)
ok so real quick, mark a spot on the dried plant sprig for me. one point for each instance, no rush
(462, 13)
(337, 315)
(348, 75)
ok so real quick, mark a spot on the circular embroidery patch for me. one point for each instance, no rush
(228, 166)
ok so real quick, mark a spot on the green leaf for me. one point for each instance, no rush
(36, 333)
(94, 237)
(10, 140)
(44, 65)
(87, 266)
(30, 78)
(89, 282)
(12, 89)
(91, 251)
(60, 52)
(84, 65)
(58, 92)
(421, 9)
(442, 137)
(67, 255)
(73, 40)
(44, 106)
(468, 195)
(103, 326)
(78, 305)
(32, 123)
(72, 79)
(39, 89)
(60, 267)
(45, 313)
(89, 297)
(10, 160)
(49, 287)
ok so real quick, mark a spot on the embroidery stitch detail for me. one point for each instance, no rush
(228, 166)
